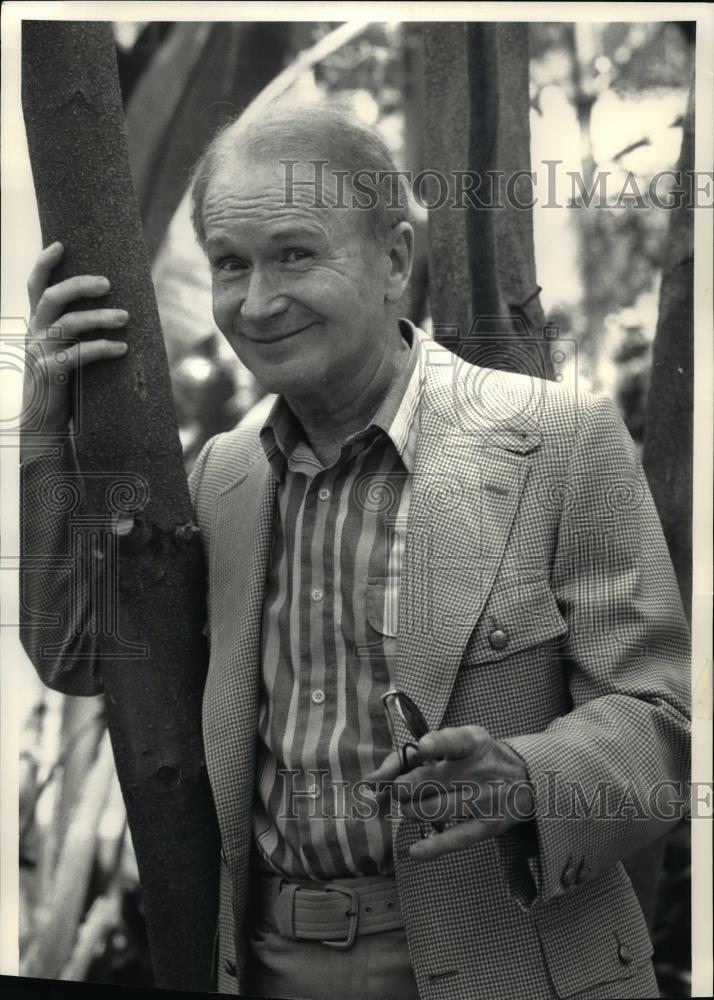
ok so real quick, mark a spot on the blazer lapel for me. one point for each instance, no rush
(465, 494)
(239, 563)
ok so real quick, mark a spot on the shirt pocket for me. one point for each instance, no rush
(382, 605)
(516, 617)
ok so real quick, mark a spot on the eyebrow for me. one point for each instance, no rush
(292, 232)
(219, 242)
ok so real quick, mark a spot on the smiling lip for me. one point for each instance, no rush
(276, 340)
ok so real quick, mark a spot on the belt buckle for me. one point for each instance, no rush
(352, 913)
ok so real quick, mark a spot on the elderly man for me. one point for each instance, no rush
(443, 580)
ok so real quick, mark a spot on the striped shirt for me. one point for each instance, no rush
(329, 637)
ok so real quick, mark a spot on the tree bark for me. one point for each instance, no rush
(484, 296)
(667, 454)
(152, 653)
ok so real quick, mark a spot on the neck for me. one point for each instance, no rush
(348, 405)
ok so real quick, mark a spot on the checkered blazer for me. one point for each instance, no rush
(530, 516)
(537, 599)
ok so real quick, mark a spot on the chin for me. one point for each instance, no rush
(289, 378)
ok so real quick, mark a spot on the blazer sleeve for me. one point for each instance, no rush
(612, 774)
(58, 626)
(57, 619)
(197, 488)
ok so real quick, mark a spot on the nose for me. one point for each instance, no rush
(263, 299)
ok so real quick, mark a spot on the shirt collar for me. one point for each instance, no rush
(283, 438)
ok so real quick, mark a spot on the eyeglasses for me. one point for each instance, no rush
(397, 704)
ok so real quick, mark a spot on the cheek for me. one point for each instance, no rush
(224, 308)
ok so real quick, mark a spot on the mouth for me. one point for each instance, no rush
(278, 339)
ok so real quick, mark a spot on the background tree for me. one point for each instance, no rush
(207, 74)
(481, 259)
(667, 453)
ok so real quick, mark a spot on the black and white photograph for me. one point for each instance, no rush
(356, 500)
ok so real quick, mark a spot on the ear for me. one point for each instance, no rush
(400, 250)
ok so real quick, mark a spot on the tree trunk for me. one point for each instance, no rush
(484, 296)
(152, 652)
(667, 455)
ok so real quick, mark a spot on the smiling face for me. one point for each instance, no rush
(302, 293)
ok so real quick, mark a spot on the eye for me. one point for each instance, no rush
(296, 254)
(229, 265)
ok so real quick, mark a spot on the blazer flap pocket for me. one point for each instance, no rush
(594, 934)
(522, 614)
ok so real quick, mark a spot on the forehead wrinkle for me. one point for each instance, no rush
(258, 180)
(232, 210)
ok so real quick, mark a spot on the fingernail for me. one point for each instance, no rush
(55, 246)
(104, 282)
(123, 348)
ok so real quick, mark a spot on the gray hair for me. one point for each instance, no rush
(310, 133)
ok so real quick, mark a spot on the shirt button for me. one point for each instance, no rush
(498, 639)
(318, 696)
(316, 594)
(324, 494)
(313, 790)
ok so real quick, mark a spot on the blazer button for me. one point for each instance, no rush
(498, 639)
(624, 954)
(582, 874)
(569, 877)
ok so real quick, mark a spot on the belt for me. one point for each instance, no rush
(333, 913)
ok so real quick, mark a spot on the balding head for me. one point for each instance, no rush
(301, 136)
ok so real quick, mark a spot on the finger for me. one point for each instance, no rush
(431, 804)
(387, 770)
(455, 742)
(391, 767)
(94, 350)
(436, 775)
(55, 299)
(74, 324)
(40, 274)
(455, 838)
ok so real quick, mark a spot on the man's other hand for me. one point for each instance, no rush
(462, 777)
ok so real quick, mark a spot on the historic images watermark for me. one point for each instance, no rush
(316, 794)
(494, 189)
